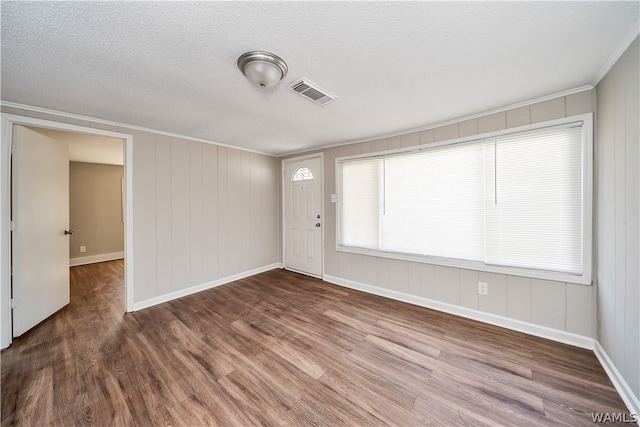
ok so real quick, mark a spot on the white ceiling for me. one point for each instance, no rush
(394, 66)
(88, 148)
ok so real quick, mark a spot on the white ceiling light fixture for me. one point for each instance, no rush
(262, 68)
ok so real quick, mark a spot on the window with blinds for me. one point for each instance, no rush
(507, 203)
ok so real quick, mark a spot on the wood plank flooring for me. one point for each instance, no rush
(280, 348)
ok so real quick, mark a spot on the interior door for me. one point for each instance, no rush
(40, 212)
(303, 216)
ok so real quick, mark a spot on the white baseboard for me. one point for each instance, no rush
(204, 286)
(95, 258)
(493, 319)
(627, 395)
(540, 331)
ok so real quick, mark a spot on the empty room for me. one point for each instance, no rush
(320, 213)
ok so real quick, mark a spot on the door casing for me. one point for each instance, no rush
(8, 120)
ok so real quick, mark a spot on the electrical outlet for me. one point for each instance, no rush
(483, 288)
(83, 249)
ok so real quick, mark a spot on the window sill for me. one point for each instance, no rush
(584, 279)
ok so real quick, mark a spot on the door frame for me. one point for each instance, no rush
(8, 120)
(283, 164)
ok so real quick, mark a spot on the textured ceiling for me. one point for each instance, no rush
(171, 66)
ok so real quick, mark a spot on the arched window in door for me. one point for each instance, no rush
(302, 174)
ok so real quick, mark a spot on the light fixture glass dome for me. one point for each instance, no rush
(262, 68)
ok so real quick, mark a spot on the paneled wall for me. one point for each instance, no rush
(618, 216)
(563, 306)
(202, 212)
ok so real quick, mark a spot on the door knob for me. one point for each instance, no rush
(67, 232)
(317, 224)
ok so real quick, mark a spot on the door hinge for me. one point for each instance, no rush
(14, 303)
(14, 147)
(14, 226)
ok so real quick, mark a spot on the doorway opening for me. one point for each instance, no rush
(96, 196)
(99, 218)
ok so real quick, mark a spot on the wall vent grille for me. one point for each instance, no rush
(312, 91)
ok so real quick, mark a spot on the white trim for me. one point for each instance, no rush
(282, 220)
(73, 262)
(553, 276)
(629, 399)
(585, 118)
(204, 286)
(588, 203)
(323, 147)
(617, 53)
(448, 122)
(493, 319)
(128, 223)
(305, 157)
(119, 124)
(128, 226)
(5, 235)
(50, 124)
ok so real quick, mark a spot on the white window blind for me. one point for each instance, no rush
(534, 203)
(360, 207)
(513, 200)
(434, 202)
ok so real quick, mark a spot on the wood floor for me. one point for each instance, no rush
(284, 349)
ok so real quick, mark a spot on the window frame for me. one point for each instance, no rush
(586, 121)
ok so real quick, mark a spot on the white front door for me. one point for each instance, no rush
(40, 210)
(303, 216)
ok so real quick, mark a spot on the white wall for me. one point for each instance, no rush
(202, 212)
(618, 218)
(561, 306)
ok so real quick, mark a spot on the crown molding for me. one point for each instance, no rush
(124, 125)
(447, 122)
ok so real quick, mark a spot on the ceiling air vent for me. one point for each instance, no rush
(312, 91)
